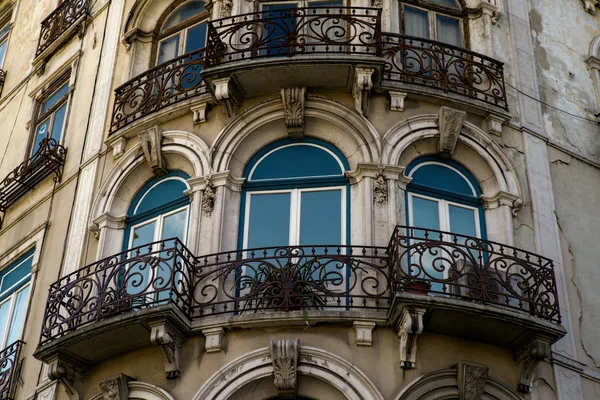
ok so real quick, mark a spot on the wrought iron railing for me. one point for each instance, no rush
(159, 87)
(2, 79)
(59, 21)
(292, 32)
(145, 276)
(441, 66)
(10, 364)
(48, 159)
(456, 266)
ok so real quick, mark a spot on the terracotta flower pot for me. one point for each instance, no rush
(417, 287)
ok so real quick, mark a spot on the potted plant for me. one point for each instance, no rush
(417, 286)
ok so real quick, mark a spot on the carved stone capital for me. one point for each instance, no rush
(170, 340)
(364, 332)
(471, 380)
(293, 111)
(151, 142)
(361, 89)
(228, 93)
(115, 388)
(450, 123)
(530, 355)
(380, 189)
(284, 355)
(410, 326)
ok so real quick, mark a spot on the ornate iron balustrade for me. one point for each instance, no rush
(292, 32)
(9, 369)
(2, 79)
(441, 263)
(145, 276)
(48, 159)
(441, 66)
(159, 87)
(59, 21)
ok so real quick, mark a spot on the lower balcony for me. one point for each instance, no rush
(2, 79)
(465, 286)
(10, 360)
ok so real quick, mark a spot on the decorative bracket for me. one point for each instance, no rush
(397, 100)
(471, 380)
(364, 332)
(170, 340)
(284, 355)
(450, 123)
(590, 6)
(66, 373)
(199, 111)
(115, 388)
(495, 123)
(361, 89)
(119, 147)
(228, 93)
(293, 111)
(214, 339)
(409, 328)
(380, 188)
(151, 140)
(530, 356)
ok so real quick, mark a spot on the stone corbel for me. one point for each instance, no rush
(106, 220)
(151, 143)
(450, 123)
(361, 90)
(495, 123)
(293, 111)
(530, 356)
(214, 339)
(472, 378)
(170, 340)
(409, 327)
(364, 332)
(503, 199)
(119, 147)
(397, 100)
(228, 94)
(590, 6)
(284, 355)
(199, 112)
(66, 373)
(115, 388)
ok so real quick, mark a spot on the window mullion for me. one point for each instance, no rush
(432, 25)
(295, 217)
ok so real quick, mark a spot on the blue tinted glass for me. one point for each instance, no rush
(462, 221)
(4, 311)
(184, 12)
(42, 133)
(59, 122)
(2, 51)
(296, 162)
(269, 223)
(440, 177)
(143, 235)
(425, 213)
(168, 49)
(56, 96)
(196, 38)
(280, 32)
(18, 318)
(163, 193)
(15, 274)
(321, 217)
(175, 225)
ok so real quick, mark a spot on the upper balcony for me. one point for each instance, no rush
(465, 286)
(58, 27)
(315, 47)
(47, 160)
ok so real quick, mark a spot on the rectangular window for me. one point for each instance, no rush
(14, 298)
(51, 116)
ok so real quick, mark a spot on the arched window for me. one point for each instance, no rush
(439, 20)
(159, 211)
(182, 31)
(296, 194)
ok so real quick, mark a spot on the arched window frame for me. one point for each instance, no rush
(160, 34)
(315, 182)
(162, 211)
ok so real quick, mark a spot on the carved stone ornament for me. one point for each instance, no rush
(227, 92)
(397, 100)
(409, 328)
(151, 140)
(530, 356)
(590, 6)
(208, 199)
(450, 123)
(472, 378)
(380, 189)
(377, 3)
(361, 90)
(284, 355)
(293, 111)
(226, 8)
(170, 341)
(115, 388)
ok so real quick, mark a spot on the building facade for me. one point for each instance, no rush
(252, 199)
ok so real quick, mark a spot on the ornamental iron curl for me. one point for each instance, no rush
(166, 84)
(48, 159)
(442, 66)
(2, 79)
(9, 369)
(59, 21)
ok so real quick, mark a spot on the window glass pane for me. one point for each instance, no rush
(4, 31)
(175, 225)
(425, 213)
(269, 223)
(416, 23)
(42, 133)
(15, 274)
(321, 217)
(4, 310)
(448, 30)
(196, 38)
(56, 96)
(59, 122)
(447, 3)
(168, 49)
(184, 12)
(330, 4)
(143, 234)
(462, 221)
(18, 316)
(2, 51)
